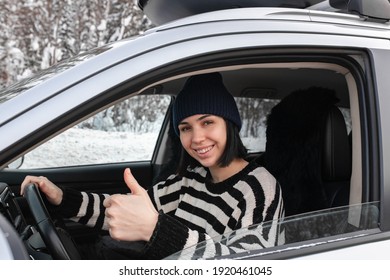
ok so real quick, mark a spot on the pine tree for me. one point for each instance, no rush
(37, 34)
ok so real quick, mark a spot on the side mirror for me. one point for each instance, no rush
(16, 164)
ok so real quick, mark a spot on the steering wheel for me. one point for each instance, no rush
(59, 244)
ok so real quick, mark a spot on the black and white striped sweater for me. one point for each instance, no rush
(193, 210)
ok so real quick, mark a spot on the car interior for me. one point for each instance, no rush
(276, 81)
(321, 167)
(331, 171)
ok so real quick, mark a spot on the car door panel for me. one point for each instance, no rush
(97, 178)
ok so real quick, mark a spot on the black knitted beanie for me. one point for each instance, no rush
(205, 94)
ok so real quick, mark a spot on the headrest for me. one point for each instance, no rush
(336, 154)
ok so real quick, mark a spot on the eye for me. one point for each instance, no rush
(207, 122)
(184, 128)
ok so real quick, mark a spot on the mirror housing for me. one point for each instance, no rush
(16, 164)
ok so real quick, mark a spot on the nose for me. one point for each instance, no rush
(198, 135)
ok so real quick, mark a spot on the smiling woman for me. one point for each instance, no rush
(177, 213)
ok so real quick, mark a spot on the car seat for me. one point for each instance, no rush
(336, 159)
(307, 150)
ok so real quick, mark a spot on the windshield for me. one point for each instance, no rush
(303, 227)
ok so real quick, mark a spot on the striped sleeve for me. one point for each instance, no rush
(87, 208)
(91, 211)
(84, 208)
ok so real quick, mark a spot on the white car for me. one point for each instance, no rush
(74, 122)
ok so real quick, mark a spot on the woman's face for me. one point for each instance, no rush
(204, 138)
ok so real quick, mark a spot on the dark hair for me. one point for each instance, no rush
(234, 149)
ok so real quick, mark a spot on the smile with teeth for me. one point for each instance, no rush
(203, 150)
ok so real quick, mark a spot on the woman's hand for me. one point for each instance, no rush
(131, 217)
(53, 193)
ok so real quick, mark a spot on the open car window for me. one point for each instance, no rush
(126, 131)
(294, 229)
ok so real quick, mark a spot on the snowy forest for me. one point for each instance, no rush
(38, 33)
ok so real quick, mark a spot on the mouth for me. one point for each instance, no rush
(204, 150)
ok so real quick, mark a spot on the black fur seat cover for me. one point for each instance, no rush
(294, 146)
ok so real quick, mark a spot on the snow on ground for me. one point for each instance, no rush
(86, 146)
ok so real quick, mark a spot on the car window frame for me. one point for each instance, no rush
(361, 76)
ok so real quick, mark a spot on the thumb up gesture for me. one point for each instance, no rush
(131, 217)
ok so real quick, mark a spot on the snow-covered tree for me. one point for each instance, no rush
(39, 33)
